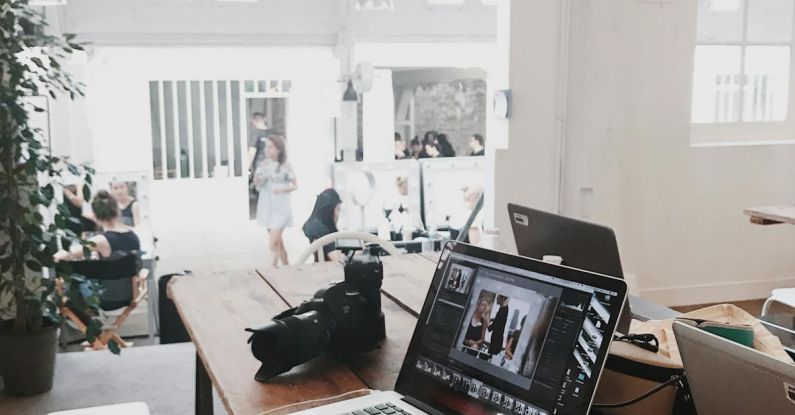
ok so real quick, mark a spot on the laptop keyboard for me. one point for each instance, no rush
(387, 408)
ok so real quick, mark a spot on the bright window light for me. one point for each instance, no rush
(742, 61)
(724, 5)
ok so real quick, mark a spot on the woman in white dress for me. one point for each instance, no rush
(275, 180)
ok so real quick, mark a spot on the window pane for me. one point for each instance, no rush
(716, 84)
(169, 120)
(182, 125)
(720, 20)
(766, 90)
(157, 150)
(770, 20)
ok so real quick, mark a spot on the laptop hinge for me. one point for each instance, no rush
(422, 406)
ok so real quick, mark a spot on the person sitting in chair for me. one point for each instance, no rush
(116, 238)
(323, 221)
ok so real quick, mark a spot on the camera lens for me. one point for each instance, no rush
(288, 342)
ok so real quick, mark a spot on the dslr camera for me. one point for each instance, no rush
(339, 321)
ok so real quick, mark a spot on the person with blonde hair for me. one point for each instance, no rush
(478, 324)
(275, 180)
(129, 212)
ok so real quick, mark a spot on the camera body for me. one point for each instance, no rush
(341, 320)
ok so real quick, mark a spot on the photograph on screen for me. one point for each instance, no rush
(504, 328)
(458, 279)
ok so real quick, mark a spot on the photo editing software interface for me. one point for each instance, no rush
(498, 342)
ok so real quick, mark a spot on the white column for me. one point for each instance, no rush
(527, 172)
(378, 119)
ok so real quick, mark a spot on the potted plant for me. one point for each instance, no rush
(33, 224)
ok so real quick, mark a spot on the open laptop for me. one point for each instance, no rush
(556, 325)
(728, 378)
(582, 245)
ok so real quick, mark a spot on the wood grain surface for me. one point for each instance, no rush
(216, 309)
(379, 368)
(770, 215)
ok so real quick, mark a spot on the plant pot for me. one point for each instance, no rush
(27, 360)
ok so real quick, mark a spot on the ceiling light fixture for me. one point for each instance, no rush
(350, 93)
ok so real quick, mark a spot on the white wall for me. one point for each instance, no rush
(526, 172)
(677, 209)
(158, 22)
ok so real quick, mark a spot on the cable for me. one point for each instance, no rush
(641, 397)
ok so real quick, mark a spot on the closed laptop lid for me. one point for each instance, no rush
(502, 334)
(581, 244)
(727, 378)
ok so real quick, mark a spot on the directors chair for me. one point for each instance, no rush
(123, 282)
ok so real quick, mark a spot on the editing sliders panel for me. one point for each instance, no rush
(588, 341)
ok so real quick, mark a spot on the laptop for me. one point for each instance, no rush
(582, 245)
(728, 378)
(502, 334)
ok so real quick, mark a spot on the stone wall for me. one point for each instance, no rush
(456, 108)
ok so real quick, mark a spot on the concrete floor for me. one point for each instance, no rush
(161, 376)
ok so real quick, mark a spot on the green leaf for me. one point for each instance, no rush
(38, 62)
(33, 265)
(86, 191)
(93, 330)
(48, 192)
(6, 206)
(114, 347)
(60, 221)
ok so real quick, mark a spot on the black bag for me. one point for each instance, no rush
(171, 328)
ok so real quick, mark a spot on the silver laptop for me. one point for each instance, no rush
(502, 334)
(728, 378)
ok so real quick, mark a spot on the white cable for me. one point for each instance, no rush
(325, 240)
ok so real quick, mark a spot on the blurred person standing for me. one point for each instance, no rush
(129, 212)
(477, 143)
(258, 132)
(275, 180)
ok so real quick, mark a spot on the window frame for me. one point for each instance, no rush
(746, 132)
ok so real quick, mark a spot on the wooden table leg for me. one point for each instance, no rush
(204, 389)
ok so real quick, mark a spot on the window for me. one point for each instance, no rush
(742, 61)
(199, 127)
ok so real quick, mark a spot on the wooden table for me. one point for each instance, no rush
(771, 215)
(217, 308)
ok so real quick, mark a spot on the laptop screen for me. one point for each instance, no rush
(500, 334)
